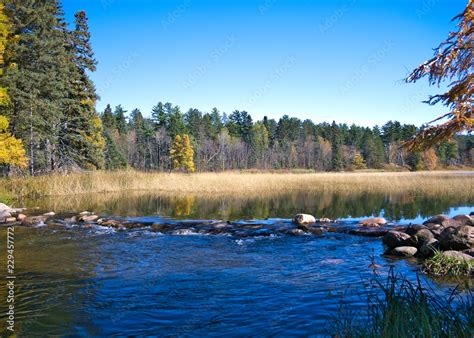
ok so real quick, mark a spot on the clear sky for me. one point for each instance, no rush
(340, 60)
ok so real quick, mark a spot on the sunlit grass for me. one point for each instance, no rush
(238, 183)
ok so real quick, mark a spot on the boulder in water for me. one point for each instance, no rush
(461, 238)
(394, 239)
(403, 251)
(373, 222)
(304, 219)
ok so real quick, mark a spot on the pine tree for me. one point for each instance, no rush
(158, 115)
(336, 150)
(37, 79)
(108, 119)
(82, 143)
(120, 120)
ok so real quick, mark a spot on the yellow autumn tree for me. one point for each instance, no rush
(4, 34)
(176, 152)
(188, 155)
(12, 151)
(358, 162)
(182, 153)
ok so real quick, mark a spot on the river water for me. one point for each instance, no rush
(97, 281)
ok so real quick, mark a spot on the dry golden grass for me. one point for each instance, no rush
(239, 183)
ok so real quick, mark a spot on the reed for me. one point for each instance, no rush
(429, 183)
(400, 308)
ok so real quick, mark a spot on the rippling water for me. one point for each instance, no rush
(97, 281)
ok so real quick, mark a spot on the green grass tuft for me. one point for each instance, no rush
(441, 265)
(400, 308)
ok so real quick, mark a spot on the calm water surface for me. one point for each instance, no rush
(80, 281)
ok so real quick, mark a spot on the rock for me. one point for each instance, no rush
(72, 219)
(458, 255)
(88, 218)
(373, 222)
(421, 236)
(366, 232)
(21, 217)
(435, 229)
(451, 223)
(297, 232)
(439, 219)
(85, 213)
(33, 221)
(304, 219)
(395, 239)
(4, 215)
(4, 207)
(325, 220)
(469, 252)
(10, 220)
(461, 238)
(49, 214)
(429, 248)
(463, 219)
(404, 251)
(112, 223)
(413, 229)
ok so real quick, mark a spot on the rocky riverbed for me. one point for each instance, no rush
(454, 236)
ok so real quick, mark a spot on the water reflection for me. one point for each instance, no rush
(394, 206)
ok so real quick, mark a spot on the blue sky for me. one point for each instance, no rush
(323, 60)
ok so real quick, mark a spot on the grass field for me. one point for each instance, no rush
(238, 183)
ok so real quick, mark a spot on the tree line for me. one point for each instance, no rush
(49, 121)
(232, 141)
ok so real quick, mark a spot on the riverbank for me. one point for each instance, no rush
(429, 183)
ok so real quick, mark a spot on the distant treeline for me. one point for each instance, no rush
(235, 141)
(47, 112)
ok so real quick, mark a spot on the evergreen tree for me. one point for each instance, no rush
(336, 150)
(82, 143)
(108, 119)
(158, 115)
(120, 120)
(38, 81)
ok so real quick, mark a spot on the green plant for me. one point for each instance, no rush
(400, 308)
(442, 265)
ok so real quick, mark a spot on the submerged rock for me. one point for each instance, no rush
(373, 222)
(88, 218)
(403, 251)
(34, 221)
(304, 219)
(395, 239)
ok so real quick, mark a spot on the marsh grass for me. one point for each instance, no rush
(400, 308)
(441, 265)
(434, 183)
